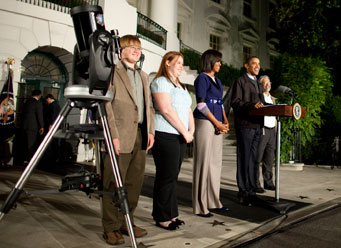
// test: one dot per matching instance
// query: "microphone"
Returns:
(286, 90)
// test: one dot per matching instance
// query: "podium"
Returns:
(280, 110)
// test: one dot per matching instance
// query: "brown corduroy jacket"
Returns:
(122, 111)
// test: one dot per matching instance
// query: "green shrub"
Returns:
(191, 59)
(334, 109)
(226, 74)
(150, 34)
(322, 148)
(311, 80)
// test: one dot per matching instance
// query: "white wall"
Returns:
(194, 16)
(25, 27)
(120, 15)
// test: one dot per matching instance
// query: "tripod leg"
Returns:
(119, 186)
(16, 191)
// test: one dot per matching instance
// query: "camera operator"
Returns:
(131, 121)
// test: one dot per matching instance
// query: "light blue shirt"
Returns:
(181, 102)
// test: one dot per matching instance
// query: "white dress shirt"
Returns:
(269, 121)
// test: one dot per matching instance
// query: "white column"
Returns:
(165, 13)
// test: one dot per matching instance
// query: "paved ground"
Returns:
(73, 220)
(323, 230)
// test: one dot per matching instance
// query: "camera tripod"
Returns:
(78, 97)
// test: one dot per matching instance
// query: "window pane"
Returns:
(272, 18)
(247, 8)
(179, 30)
(246, 53)
(214, 42)
(272, 61)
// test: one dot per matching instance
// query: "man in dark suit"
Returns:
(131, 121)
(53, 110)
(247, 95)
(51, 113)
(33, 122)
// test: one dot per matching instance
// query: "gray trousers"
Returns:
(266, 153)
(208, 155)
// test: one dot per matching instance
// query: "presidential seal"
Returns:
(297, 111)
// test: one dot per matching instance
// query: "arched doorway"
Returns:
(44, 71)
(47, 69)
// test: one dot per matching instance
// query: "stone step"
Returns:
(229, 142)
(188, 76)
(230, 158)
(189, 71)
(229, 150)
(231, 137)
(292, 166)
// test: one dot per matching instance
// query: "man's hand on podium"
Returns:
(259, 105)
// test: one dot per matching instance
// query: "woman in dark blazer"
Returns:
(210, 123)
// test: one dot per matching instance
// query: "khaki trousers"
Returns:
(131, 166)
(208, 152)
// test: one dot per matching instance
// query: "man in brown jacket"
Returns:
(131, 120)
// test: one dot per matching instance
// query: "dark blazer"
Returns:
(33, 115)
(53, 110)
(122, 111)
(207, 89)
(244, 97)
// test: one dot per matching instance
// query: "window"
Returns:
(247, 8)
(272, 18)
(178, 30)
(216, 1)
(246, 53)
(37, 65)
(272, 61)
(214, 42)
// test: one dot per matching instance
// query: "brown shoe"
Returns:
(138, 231)
(113, 238)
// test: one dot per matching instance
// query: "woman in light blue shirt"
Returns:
(174, 128)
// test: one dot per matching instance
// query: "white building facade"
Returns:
(40, 36)
(237, 28)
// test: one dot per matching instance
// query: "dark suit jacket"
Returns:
(122, 111)
(53, 110)
(33, 115)
(244, 97)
